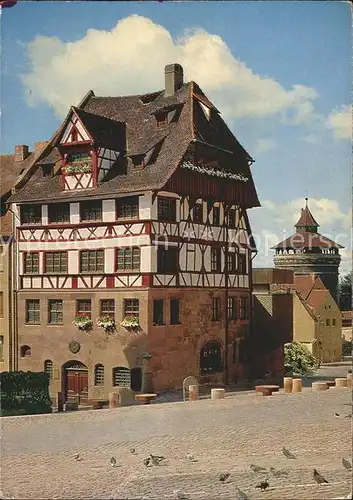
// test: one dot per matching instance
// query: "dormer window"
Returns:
(162, 119)
(47, 170)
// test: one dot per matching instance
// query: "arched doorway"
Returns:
(136, 379)
(75, 381)
(211, 357)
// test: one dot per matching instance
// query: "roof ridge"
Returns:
(193, 135)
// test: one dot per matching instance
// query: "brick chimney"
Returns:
(39, 146)
(21, 152)
(174, 78)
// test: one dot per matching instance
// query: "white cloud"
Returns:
(272, 223)
(340, 122)
(264, 145)
(130, 59)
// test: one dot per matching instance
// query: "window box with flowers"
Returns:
(130, 323)
(83, 323)
(107, 323)
(80, 168)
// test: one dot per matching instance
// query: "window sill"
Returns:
(32, 324)
(175, 324)
(55, 324)
(158, 324)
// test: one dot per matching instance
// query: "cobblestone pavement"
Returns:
(224, 436)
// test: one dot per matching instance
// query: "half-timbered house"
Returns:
(134, 247)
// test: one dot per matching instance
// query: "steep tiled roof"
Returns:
(174, 140)
(305, 283)
(9, 172)
(306, 219)
(316, 298)
(303, 239)
(106, 133)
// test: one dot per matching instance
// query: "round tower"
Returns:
(308, 251)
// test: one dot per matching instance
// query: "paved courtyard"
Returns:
(224, 436)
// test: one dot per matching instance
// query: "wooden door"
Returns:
(77, 384)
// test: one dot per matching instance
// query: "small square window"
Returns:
(108, 308)
(55, 312)
(216, 260)
(158, 313)
(216, 309)
(216, 216)
(33, 312)
(175, 312)
(197, 211)
(83, 307)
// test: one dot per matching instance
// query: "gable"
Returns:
(74, 131)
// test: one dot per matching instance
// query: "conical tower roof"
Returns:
(306, 221)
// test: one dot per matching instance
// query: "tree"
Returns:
(298, 359)
(345, 292)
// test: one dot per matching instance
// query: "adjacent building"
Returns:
(272, 324)
(308, 251)
(134, 251)
(11, 168)
(317, 319)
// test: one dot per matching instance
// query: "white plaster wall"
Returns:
(45, 215)
(86, 244)
(109, 261)
(82, 130)
(73, 262)
(108, 207)
(74, 213)
(146, 259)
(145, 207)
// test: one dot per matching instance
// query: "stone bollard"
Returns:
(341, 382)
(319, 386)
(217, 393)
(349, 380)
(114, 399)
(193, 392)
(297, 385)
(288, 384)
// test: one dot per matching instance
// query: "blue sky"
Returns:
(278, 71)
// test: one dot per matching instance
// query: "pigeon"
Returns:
(240, 494)
(191, 457)
(319, 478)
(346, 464)
(278, 473)
(287, 453)
(224, 477)
(77, 456)
(147, 462)
(256, 468)
(113, 462)
(155, 459)
(133, 451)
(263, 485)
(180, 495)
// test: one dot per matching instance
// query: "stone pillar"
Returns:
(60, 401)
(341, 382)
(193, 392)
(217, 393)
(319, 386)
(349, 380)
(113, 400)
(297, 385)
(288, 384)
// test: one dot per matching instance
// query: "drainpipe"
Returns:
(226, 302)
